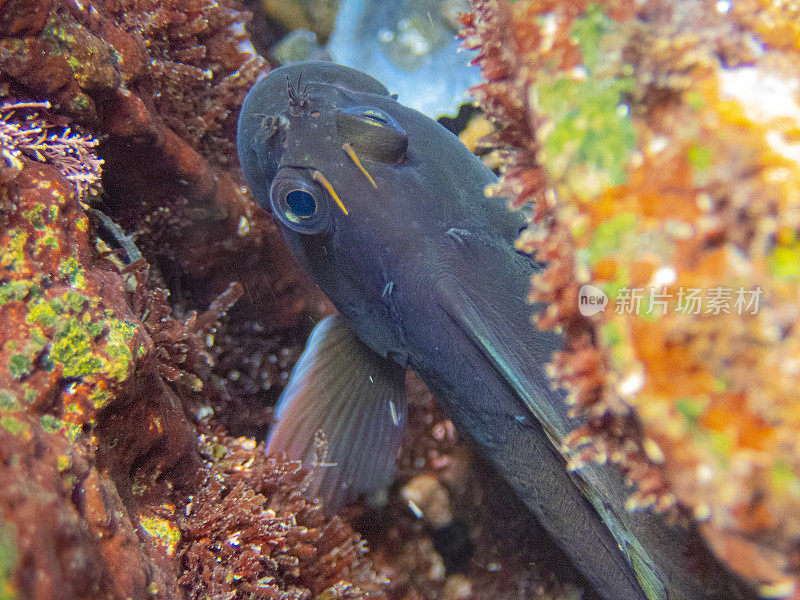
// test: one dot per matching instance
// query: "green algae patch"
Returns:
(42, 313)
(99, 398)
(23, 354)
(13, 256)
(35, 215)
(47, 241)
(71, 269)
(63, 462)
(590, 136)
(165, 531)
(784, 262)
(29, 393)
(13, 425)
(610, 236)
(118, 349)
(19, 366)
(8, 400)
(700, 157)
(75, 301)
(691, 409)
(74, 417)
(52, 424)
(9, 557)
(84, 342)
(15, 291)
(785, 478)
(72, 349)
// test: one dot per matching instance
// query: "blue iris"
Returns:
(301, 203)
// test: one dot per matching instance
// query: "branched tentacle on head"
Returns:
(298, 99)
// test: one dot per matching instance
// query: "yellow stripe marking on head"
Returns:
(327, 185)
(352, 154)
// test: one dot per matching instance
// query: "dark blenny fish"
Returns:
(386, 208)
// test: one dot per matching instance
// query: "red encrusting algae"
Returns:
(661, 178)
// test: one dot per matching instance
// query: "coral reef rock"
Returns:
(656, 141)
(124, 231)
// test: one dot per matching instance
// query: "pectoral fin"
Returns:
(342, 414)
(497, 319)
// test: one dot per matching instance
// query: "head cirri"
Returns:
(304, 128)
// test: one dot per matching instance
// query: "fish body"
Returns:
(387, 210)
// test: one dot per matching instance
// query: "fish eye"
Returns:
(301, 205)
(372, 133)
(376, 116)
(299, 202)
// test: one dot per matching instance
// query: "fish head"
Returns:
(360, 183)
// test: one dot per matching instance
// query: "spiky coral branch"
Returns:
(33, 136)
